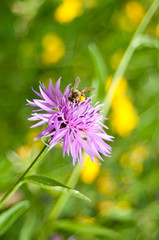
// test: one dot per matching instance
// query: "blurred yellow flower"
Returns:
(68, 10)
(134, 11)
(130, 18)
(124, 23)
(105, 207)
(123, 204)
(120, 19)
(138, 168)
(121, 87)
(135, 158)
(23, 151)
(54, 49)
(123, 118)
(90, 171)
(124, 159)
(107, 185)
(115, 59)
(139, 154)
(121, 208)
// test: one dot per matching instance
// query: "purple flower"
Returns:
(78, 125)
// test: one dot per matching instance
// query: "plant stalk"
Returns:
(59, 206)
(25, 174)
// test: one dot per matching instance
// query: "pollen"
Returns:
(82, 98)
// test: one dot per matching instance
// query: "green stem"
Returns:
(59, 206)
(127, 56)
(61, 202)
(25, 174)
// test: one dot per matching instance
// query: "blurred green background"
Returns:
(48, 39)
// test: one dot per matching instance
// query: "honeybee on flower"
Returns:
(79, 126)
(77, 96)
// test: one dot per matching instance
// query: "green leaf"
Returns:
(28, 227)
(45, 140)
(98, 63)
(85, 228)
(101, 72)
(146, 41)
(51, 184)
(9, 216)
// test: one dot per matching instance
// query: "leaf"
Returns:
(45, 140)
(28, 227)
(9, 216)
(98, 62)
(51, 184)
(146, 41)
(101, 72)
(85, 228)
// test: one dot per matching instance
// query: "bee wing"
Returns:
(89, 89)
(76, 83)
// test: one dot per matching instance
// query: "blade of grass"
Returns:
(51, 184)
(8, 217)
(86, 228)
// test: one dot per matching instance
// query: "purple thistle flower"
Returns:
(78, 125)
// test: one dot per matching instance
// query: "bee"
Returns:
(78, 96)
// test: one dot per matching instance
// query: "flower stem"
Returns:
(61, 202)
(56, 211)
(127, 56)
(25, 174)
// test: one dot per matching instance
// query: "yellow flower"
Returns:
(68, 10)
(139, 154)
(124, 159)
(124, 23)
(23, 152)
(123, 204)
(106, 185)
(108, 208)
(134, 11)
(121, 87)
(131, 16)
(90, 171)
(123, 119)
(54, 49)
(105, 207)
(135, 159)
(115, 59)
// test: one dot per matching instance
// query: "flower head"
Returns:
(78, 125)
